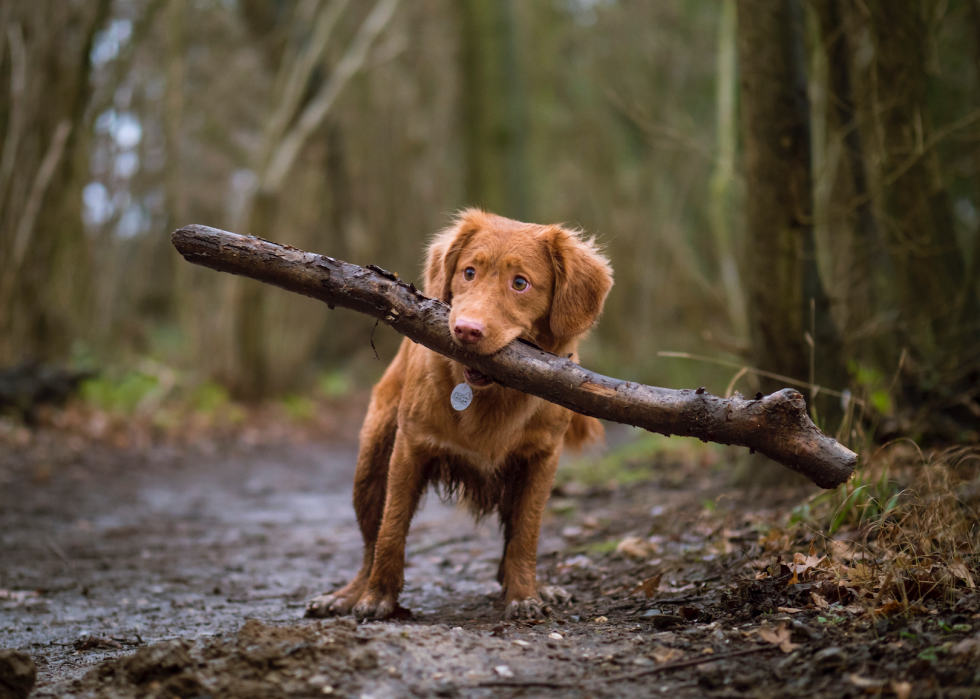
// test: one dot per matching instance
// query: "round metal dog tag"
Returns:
(462, 396)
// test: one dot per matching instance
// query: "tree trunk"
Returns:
(785, 297)
(724, 175)
(494, 109)
(913, 206)
(289, 129)
(42, 160)
(775, 425)
(862, 271)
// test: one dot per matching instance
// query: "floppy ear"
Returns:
(443, 253)
(583, 278)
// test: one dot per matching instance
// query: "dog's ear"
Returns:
(443, 253)
(583, 278)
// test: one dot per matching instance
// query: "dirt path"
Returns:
(103, 553)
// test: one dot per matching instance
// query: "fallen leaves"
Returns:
(779, 636)
(867, 683)
(902, 690)
(890, 608)
(802, 564)
(636, 547)
(648, 587)
(969, 647)
(958, 568)
(663, 654)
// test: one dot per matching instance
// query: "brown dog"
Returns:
(504, 280)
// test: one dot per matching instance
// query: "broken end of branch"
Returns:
(794, 441)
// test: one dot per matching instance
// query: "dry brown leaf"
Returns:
(866, 683)
(847, 550)
(801, 564)
(819, 601)
(861, 575)
(663, 654)
(890, 608)
(649, 586)
(788, 610)
(775, 541)
(635, 547)
(779, 637)
(968, 646)
(902, 690)
(958, 568)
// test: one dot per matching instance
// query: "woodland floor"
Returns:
(162, 571)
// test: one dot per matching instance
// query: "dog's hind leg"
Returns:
(370, 487)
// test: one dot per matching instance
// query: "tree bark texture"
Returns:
(910, 196)
(862, 272)
(776, 425)
(783, 281)
(45, 60)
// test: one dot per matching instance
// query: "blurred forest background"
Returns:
(786, 185)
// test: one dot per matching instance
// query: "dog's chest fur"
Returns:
(498, 425)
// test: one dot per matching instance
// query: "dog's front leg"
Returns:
(405, 485)
(522, 597)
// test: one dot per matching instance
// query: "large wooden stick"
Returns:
(776, 425)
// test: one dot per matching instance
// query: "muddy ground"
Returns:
(168, 572)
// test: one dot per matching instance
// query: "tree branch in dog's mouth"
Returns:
(776, 425)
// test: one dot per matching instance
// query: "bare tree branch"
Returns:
(315, 112)
(25, 228)
(298, 74)
(776, 425)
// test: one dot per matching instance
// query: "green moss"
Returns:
(299, 407)
(119, 394)
(636, 461)
(209, 398)
(334, 384)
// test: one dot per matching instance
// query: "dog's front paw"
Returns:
(537, 607)
(377, 605)
(527, 608)
(329, 605)
(552, 594)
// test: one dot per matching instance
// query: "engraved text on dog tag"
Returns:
(462, 396)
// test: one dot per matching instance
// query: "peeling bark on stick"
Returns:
(776, 425)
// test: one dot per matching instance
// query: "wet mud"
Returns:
(184, 573)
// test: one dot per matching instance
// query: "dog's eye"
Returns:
(520, 284)
(469, 273)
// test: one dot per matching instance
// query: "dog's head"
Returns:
(505, 279)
